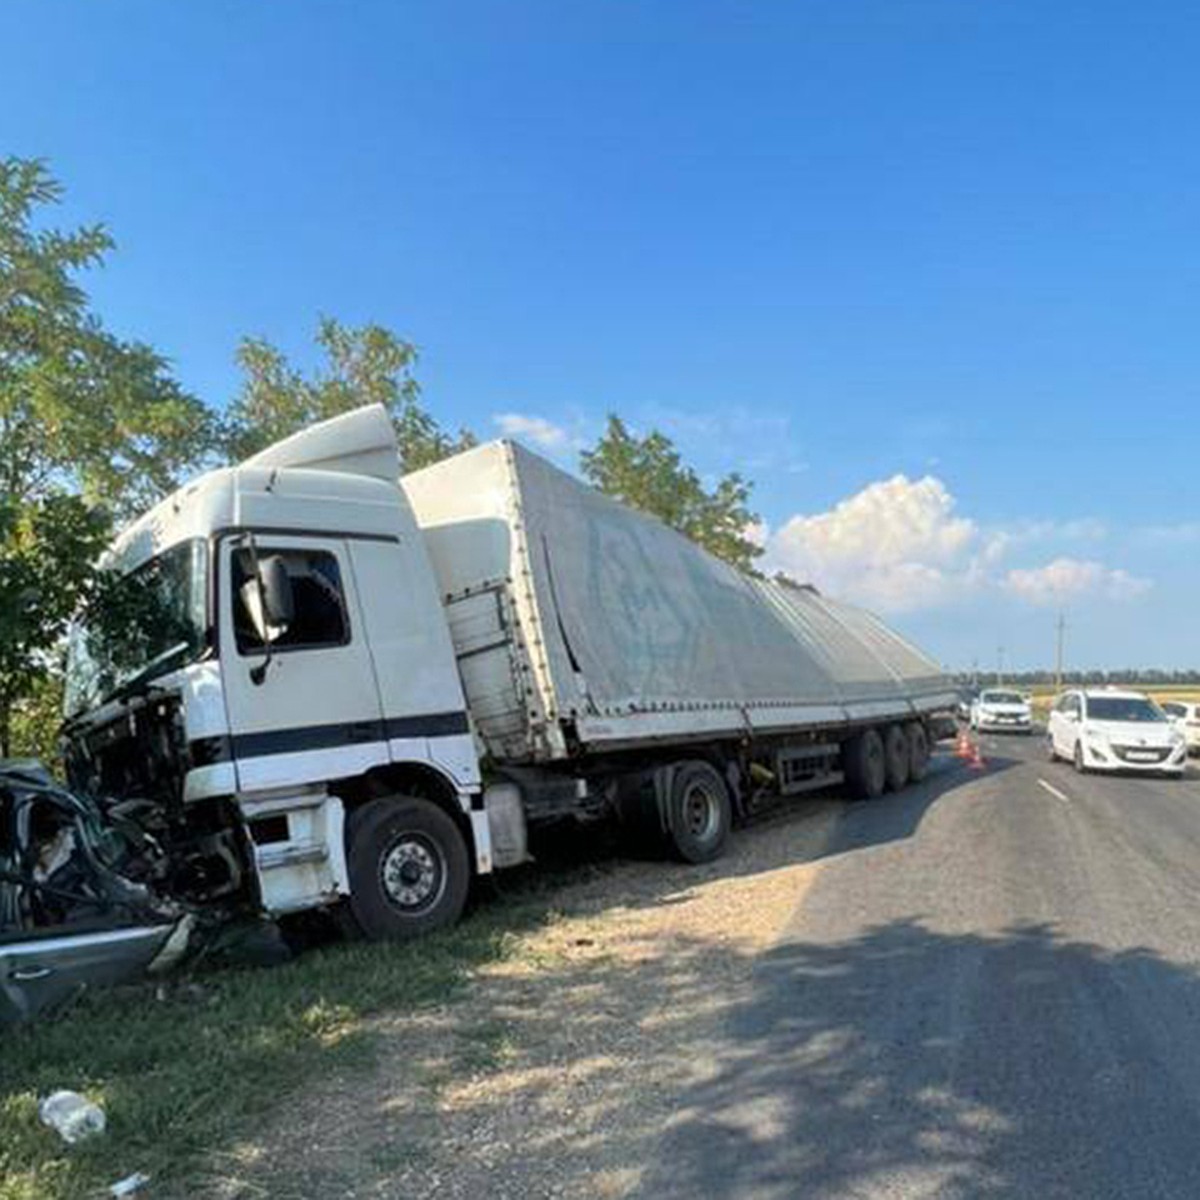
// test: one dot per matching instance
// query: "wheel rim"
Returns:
(412, 873)
(701, 813)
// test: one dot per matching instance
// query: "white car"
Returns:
(1110, 730)
(999, 711)
(1186, 716)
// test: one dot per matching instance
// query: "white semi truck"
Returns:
(362, 690)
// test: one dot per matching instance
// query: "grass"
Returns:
(190, 1068)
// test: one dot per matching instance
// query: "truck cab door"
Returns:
(302, 698)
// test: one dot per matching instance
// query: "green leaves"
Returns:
(364, 365)
(92, 428)
(47, 546)
(649, 474)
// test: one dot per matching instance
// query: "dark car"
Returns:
(73, 912)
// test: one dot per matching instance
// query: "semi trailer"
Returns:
(352, 689)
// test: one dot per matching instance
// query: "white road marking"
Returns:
(1055, 792)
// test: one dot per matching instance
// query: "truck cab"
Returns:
(276, 693)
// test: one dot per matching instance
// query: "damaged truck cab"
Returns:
(286, 667)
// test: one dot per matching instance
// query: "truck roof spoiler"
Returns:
(359, 442)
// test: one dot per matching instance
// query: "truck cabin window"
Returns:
(319, 618)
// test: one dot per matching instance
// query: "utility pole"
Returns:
(1000, 666)
(1060, 629)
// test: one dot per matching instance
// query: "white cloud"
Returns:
(534, 429)
(1067, 578)
(899, 544)
(895, 545)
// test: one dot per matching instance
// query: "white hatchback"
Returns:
(1109, 730)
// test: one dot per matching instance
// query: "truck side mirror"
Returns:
(278, 600)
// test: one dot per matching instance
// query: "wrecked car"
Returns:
(79, 902)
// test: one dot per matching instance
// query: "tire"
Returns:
(1051, 753)
(408, 867)
(700, 814)
(918, 757)
(863, 765)
(1080, 765)
(897, 757)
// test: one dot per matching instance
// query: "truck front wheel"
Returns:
(863, 764)
(700, 815)
(408, 867)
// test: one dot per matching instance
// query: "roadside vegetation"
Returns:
(183, 1068)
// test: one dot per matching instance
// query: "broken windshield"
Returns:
(139, 625)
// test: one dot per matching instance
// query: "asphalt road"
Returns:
(992, 989)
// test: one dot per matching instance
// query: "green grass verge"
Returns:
(193, 1071)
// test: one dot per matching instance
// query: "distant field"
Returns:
(1044, 693)
(1166, 691)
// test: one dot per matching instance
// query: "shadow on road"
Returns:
(904, 1062)
(914, 1062)
(658, 1059)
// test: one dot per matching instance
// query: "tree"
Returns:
(47, 547)
(364, 365)
(649, 474)
(91, 427)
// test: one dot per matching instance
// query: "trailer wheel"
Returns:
(897, 755)
(408, 867)
(700, 813)
(863, 764)
(918, 758)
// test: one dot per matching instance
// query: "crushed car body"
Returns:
(80, 902)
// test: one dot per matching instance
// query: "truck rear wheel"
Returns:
(918, 757)
(700, 813)
(408, 867)
(897, 755)
(863, 765)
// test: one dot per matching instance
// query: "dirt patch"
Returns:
(559, 1069)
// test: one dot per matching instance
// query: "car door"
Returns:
(41, 971)
(1053, 721)
(1062, 727)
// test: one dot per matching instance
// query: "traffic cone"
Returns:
(963, 748)
(976, 762)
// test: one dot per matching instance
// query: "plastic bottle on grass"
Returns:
(72, 1116)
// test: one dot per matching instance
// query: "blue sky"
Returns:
(828, 244)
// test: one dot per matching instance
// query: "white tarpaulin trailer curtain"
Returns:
(621, 615)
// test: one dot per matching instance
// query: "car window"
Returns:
(1175, 710)
(320, 616)
(1123, 708)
